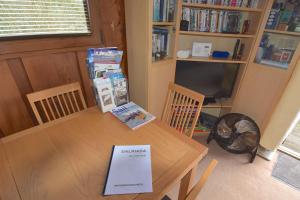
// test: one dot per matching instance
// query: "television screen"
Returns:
(214, 80)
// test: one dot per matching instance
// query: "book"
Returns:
(160, 43)
(273, 19)
(220, 21)
(244, 3)
(104, 94)
(156, 6)
(213, 21)
(132, 115)
(129, 170)
(232, 21)
(119, 85)
(101, 60)
(109, 83)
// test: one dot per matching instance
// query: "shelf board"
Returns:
(163, 60)
(163, 23)
(210, 59)
(283, 32)
(219, 7)
(225, 104)
(216, 34)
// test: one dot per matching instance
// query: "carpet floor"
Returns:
(235, 179)
(287, 169)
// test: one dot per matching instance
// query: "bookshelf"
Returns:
(149, 78)
(280, 36)
(263, 84)
(222, 41)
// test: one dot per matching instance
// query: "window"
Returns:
(43, 17)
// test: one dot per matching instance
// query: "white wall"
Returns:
(284, 113)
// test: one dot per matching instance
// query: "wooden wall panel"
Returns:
(112, 25)
(51, 70)
(13, 112)
(87, 84)
(34, 64)
(18, 72)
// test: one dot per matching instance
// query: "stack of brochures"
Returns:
(129, 170)
(110, 84)
(132, 115)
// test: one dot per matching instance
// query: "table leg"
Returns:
(186, 183)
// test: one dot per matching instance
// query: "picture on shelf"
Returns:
(276, 50)
(201, 49)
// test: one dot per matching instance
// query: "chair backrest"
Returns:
(57, 102)
(197, 188)
(182, 109)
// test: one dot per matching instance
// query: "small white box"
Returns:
(201, 49)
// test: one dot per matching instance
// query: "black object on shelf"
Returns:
(207, 120)
(241, 51)
(184, 25)
(236, 48)
(236, 133)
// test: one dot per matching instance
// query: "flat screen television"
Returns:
(214, 80)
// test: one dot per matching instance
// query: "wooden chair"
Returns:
(182, 109)
(57, 102)
(199, 185)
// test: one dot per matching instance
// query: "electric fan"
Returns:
(236, 133)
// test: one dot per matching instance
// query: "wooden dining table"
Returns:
(68, 158)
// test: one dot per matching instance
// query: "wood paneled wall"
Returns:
(31, 65)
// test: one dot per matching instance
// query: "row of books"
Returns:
(204, 20)
(284, 16)
(232, 3)
(109, 83)
(160, 43)
(164, 10)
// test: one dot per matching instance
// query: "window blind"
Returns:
(43, 17)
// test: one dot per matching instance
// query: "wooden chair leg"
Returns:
(186, 184)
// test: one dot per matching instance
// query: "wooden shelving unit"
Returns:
(213, 60)
(282, 32)
(223, 41)
(149, 79)
(218, 7)
(264, 86)
(210, 34)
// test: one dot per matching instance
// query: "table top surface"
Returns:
(68, 158)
